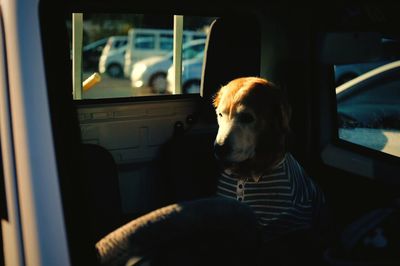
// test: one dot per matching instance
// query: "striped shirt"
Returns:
(284, 200)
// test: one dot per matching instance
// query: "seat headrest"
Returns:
(233, 50)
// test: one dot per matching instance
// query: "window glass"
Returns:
(128, 55)
(191, 51)
(166, 42)
(368, 101)
(119, 43)
(145, 41)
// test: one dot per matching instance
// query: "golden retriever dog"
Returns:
(253, 118)
(256, 169)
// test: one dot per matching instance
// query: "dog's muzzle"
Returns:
(221, 152)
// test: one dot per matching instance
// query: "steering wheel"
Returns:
(207, 231)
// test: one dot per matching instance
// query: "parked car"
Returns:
(369, 109)
(344, 73)
(191, 75)
(91, 54)
(112, 58)
(144, 43)
(152, 72)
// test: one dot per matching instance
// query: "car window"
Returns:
(145, 41)
(197, 37)
(166, 42)
(368, 105)
(115, 44)
(119, 43)
(192, 51)
(136, 66)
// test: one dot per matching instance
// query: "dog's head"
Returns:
(253, 118)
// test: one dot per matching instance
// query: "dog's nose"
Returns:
(221, 151)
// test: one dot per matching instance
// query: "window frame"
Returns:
(178, 38)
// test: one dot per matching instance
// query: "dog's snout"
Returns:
(222, 150)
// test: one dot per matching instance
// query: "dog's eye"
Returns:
(245, 118)
(220, 114)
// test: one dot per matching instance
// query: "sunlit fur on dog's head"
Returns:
(253, 117)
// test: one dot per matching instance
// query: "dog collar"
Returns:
(255, 177)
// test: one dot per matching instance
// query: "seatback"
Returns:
(233, 50)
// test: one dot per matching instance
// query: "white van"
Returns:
(143, 43)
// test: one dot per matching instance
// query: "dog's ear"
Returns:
(275, 106)
(276, 109)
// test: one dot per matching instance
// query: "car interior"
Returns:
(123, 161)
